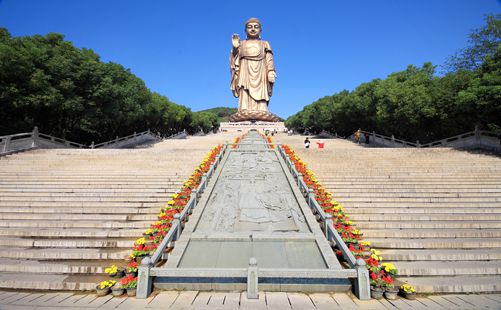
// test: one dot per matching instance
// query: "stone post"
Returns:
(478, 141)
(92, 145)
(418, 144)
(362, 283)
(6, 146)
(252, 279)
(204, 180)
(35, 137)
(311, 196)
(144, 281)
(299, 177)
(194, 194)
(327, 223)
(177, 219)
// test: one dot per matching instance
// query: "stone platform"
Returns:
(245, 126)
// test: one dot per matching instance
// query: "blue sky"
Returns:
(180, 48)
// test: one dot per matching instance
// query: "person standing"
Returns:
(307, 143)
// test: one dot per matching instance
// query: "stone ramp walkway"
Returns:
(235, 300)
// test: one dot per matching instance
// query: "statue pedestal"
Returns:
(245, 126)
(254, 116)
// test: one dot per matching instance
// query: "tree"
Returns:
(482, 43)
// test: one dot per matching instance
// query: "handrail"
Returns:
(126, 138)
(34, 138)
(442, 142)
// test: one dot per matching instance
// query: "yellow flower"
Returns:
(365, 243)
(407, 288)
(106, 284)
(174, 196)
(111, 270)
(171, 202)
(376, 252)
(140, 241)
(388, 267)
(132, 256)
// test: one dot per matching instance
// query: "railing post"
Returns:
(362, 283)
(327, 224)
(92, 145)
(34, 135)
(6, 146)
(204, 180)
(311, 197)
(252, 279)
(299, 178)
(193, 195)
(144, 283)
(478, 141)
(418, 144)
(177, 220)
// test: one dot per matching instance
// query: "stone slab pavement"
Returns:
(235, 300)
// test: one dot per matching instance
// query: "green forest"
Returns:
(416, 104)
(69, 93)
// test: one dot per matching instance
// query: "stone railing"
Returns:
(470, 140)
(360, 271)
(127, 141)
(31, 140)
(147, 268)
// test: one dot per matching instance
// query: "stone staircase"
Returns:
(435, 213)
(66, 214)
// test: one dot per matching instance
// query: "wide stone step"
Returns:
(424, 217)
(430, 210)
(355, 186)
(438, 243)
(407, 200)
(446, 268)
(66, 243)
(434, 233)
(403, 204)
(427, 224)
(89, 196)
(124, 209)
(40, 281)
(164, 190)
(57, 267)
(67, 216)
(48, 200)
(456, 284)
(78, 223)
(72, 232)
(403, 195)
(65, 253)
(442, 254)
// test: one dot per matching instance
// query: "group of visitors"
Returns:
(307, 143)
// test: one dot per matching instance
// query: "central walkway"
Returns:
(253, 209)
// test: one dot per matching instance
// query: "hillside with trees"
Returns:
(223, 113)
(70, 93)
(416, 104)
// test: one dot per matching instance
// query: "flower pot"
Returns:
(131, 292)
(102, 291)
(117, 291)
(120, 273)
(410, 296)
(376, 292)
(391, 293)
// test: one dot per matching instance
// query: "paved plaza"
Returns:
(234, 300)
